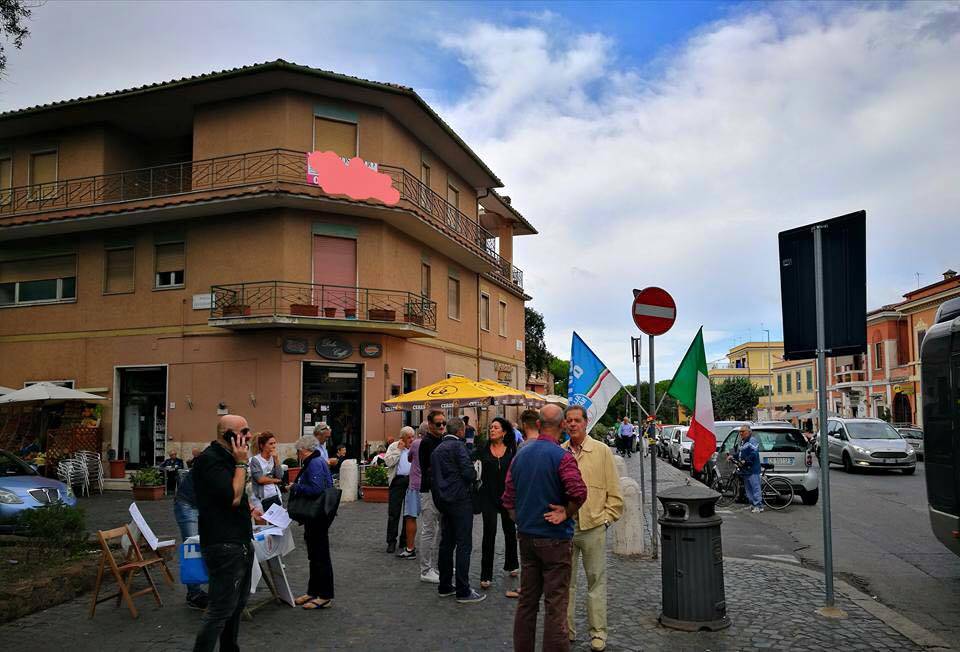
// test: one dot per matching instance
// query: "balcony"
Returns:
(286, 304)
(249, 181)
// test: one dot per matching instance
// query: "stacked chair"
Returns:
(94, 467)
(73, 472)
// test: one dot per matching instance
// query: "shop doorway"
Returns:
(334, 393)
(415, 417)
(902, 412)
(142, 416)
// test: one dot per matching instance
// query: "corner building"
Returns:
(164, 246)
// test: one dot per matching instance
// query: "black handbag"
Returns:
(303, 508)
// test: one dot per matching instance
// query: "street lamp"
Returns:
(769, 375)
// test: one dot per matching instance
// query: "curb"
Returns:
(911, 630)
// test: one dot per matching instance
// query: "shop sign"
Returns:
(370, 350)
(296, 345)
(903, 389)
(333, 347)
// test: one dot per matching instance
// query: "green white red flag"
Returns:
(691, 387)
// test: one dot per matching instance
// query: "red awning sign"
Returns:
(654, 310)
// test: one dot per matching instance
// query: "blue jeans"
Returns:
(456, 532)
(186, 517)
(229, 566)
(751, 486)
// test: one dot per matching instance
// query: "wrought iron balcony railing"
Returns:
(292, 299)
(238, 170)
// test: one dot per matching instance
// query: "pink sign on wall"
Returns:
(353, 177)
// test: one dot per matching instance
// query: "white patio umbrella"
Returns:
(44, 392)
(5, 390)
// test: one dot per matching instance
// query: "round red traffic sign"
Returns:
(654, 310)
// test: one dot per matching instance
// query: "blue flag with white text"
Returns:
(591, 384)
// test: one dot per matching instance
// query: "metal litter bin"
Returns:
(691, 560)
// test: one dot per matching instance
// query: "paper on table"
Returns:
(278, 516)
(268, 532)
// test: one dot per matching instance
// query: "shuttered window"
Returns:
(6, 179)
(169, 265)
(333, 135)
(503, 318)
(118, 270)
(335, 272)
(38, 280)
(453, 298)
(425, 285)
(485, 312)
(43, 174)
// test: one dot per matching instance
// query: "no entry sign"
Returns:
(653, 310)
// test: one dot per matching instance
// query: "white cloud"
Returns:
(682, 178)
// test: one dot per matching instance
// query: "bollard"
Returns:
(621, 466)
(628, 535)
(349, 481)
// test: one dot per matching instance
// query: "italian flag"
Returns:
(691, 387)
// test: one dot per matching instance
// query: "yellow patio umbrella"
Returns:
(511, 395)
(455, 392)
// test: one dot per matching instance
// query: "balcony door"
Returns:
(335, 269)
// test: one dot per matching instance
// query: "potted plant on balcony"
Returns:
(374, 487)
(147, 484)
(413, 314)
(305, 310)
(236, 310)
(329, 312)
(382, 314)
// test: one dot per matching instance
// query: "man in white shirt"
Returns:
(398, 473)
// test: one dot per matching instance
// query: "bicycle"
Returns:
(775, 492)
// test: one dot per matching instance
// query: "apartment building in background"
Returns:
(753, 361)
(167, 247)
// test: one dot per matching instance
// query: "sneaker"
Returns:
(199, 601)
(447, 593)
(431, 577)
(391, 548)
(472, 598)
(597, 644)
(755, 510)
(406, 553)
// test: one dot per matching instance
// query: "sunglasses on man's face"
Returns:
(439, 424)
(233, 434)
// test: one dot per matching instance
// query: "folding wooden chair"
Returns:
(124, 571)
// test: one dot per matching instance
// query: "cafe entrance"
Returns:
(333, 392)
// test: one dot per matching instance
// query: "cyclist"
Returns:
(747, 458)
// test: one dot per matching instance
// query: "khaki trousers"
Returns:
(592, 546)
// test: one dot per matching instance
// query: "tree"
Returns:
(537, 356)
(13, 13)
(734, 399)
(561, 374)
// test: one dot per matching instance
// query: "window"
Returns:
(453, 298)
(878, 355)
(38, 280)
(809, 380)
(425, 280)
(789, 383)
(779, 383)
(503, 319)
(425, 188)
(43, 175)
(453, 213)
(798, 382)
(6, 179)
(484, 311)
(118, 271)
(335, 136)
(169, 265)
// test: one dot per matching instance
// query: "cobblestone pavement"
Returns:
(380, 604)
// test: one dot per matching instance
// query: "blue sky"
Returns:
(651, 143)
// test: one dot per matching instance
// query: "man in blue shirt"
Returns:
(748, 459)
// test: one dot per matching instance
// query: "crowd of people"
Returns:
(548, 488)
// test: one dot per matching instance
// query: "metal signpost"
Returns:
(636, 343)
(654, 312)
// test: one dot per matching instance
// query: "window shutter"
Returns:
(38, 269)
(484, 312)
(335, 136)
(453, 298)
(119, 272)
(6, 178)
(170, 257)
(43, 167)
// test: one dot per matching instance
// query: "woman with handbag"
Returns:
(495, 458)
(313, 483)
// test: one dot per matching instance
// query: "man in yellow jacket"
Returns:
(603, 507)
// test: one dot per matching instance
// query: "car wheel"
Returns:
(909, 471)
(847, 463)
(810, 497)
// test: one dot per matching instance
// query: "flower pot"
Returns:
(350, 313)
(292, 474)
(305, 310)
(375, 494)
(413, 318)
(118, 468)
(236, 310)
(148, 493)
(378, 314)
(330, 312)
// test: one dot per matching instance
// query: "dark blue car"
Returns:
(22, 489)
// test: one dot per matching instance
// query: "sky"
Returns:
(655, 143)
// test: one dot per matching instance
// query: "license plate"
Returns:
(779, 460)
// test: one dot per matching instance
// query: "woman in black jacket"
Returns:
(495, 458)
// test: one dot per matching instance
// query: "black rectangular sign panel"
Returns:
(844, 288)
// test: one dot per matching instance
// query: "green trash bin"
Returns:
(691, 560)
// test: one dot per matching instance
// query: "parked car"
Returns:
(23, 489)
(914, 437)
(663, 440)
(868, 443)
(680, 445)
(785, 447)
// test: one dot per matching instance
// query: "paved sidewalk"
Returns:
(380, 604)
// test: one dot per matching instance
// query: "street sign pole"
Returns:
(653, 458)
(636, 344)
(829, 608)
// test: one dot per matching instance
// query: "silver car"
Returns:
(868, 443)
(787, 450)
(914, 437)
(678, 451)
